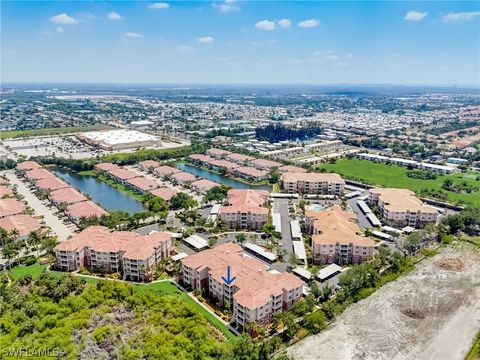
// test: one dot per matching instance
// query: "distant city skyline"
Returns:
(241, 42)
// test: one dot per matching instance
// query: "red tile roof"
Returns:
(9, 207)
(143, 183)
(165, 193)
(256, 284)
(52, 183)
(68, 195)
(246, 201)
(106, 166)
(122, 174)
(25, 224)
(166, 170)
(184, 177)
(204, 185)
(5, 191)
(148, 164)
(38, 174)
(85, 209)
(28, 165)
(101, 239)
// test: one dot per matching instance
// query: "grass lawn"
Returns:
(474, 353)
(396, 176)
(51, 131)
(475, 240)
(35, 270)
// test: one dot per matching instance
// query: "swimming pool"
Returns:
(316, 207)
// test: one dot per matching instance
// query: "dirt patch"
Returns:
(413, 313)
(431, 313)
(452, 264)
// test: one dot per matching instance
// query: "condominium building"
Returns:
(126, 252)
(121, 175)
(217, 153)
(313, 183)
(402, 208)
(335, 237)
(250, 173)
(257, 293)
(245, 209)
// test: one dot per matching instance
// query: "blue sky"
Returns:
(235, 42)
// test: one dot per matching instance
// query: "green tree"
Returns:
(182, 201)
(315, 322)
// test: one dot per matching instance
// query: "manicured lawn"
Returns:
(35, 270)
(396, 176)
(51, 131)
(474, 353)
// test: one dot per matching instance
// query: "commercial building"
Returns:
(245, 209)
(118, 139)
(257, 294)
(402, 208)
(335, 237)
(126, 252)
(313, 183)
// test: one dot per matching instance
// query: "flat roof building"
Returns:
(313, 183)
(118, 139)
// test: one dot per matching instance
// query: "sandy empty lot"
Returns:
(431, 313)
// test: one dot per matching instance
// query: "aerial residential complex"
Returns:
(245, 209)
(313, 183)
(335, 237)
(257, 293)
(402, 208)
(100, 249)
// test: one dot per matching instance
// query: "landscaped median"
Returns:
(164, 287)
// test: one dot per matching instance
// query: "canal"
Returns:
(107, 196)
(219, 178)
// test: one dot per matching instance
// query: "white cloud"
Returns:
(59, 29)
(326, 52)
(63, 19)
(114, 16)
(293, 61)
(414, 15)
(284, 23)
(159, 6)
(460, 16)
(309, 23)
(265, 25)
(330, 57)
(205, 40)
(226, 6)
(133, 35)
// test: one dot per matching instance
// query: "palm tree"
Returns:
(10, 251)
(14, 234)
(35, 238)
(4, 237)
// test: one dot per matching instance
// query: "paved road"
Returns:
(59, 228)
(281, 206)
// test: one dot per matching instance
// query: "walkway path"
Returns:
(59, 228)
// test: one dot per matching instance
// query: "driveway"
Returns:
(280, 206)
(59, 228)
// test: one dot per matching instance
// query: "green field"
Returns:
(396, 176)
(35, 270)
(51, 131)
(164, 287)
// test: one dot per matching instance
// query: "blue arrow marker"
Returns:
(229, 279)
